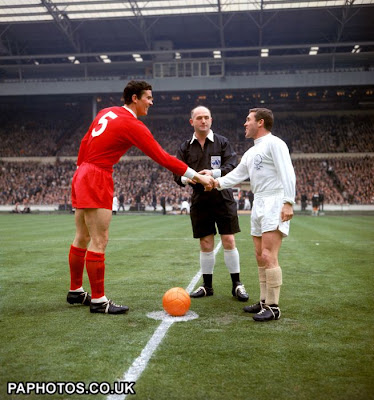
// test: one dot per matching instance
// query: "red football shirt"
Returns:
(113, 132)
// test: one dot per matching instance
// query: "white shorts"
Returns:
(266, 214)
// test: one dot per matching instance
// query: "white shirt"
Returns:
(269, 167)
(210, 136)
(130, 111)
(185, 205)
(115, 204)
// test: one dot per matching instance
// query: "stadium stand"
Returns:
(344, 133)
(342, 180)
(323, 105)
(311, 136)
(41, 183)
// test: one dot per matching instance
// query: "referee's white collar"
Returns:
(129, 110)
(210, 136)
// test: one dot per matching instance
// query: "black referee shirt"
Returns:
(215, 155)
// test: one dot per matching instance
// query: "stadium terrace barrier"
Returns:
(36, 208)
(294, 156)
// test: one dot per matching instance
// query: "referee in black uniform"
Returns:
(212, 154)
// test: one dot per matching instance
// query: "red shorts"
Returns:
(92, 187)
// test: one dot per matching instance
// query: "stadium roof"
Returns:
(42, 10)
(40, 38)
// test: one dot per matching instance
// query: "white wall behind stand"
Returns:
(340, 207)
(33, 208)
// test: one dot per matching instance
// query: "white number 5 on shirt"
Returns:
(103, 121)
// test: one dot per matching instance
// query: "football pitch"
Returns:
(321, 348)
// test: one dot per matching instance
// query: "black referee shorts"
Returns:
(211, 209)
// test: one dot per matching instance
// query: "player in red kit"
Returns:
(112, 133)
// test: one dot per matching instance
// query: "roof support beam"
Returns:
(342, 23)
(221, 27)
(3, 48)
(141, 24)
(261, 25)
(63, 23)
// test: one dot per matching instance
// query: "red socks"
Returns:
(95, 265)
(76, 264)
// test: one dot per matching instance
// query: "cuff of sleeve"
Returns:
(288, 200)
(190, 173)
(219, 188)
(216, 173)
(184, 180)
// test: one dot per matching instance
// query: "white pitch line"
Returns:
(140, 363)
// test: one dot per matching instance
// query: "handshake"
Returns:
(205, 177)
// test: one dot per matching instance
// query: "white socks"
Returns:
(232, 260)
(99, 300)
(79, 290)
(207, 262)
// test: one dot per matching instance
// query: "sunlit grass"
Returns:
(321, 348)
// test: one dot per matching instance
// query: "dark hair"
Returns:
(135, 87)
(266, 115)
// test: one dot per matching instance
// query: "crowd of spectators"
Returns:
(354, 177)
(317, 134)
(142, 182)
(345, 180)
(30, 139)
(145, 182)
(35, 182)
(327, 134)
(170, 133)
(312, 134)
(21, 135)
(341, 180)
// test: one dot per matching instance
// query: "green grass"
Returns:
(321, 348)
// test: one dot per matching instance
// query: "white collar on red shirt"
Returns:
(210, 136)
(129, 110)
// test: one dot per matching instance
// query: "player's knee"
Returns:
(228, 242)
(82, 240)
(268, 258)
(207, 244)
(100, 243)
(259, 259)
(86, 238)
